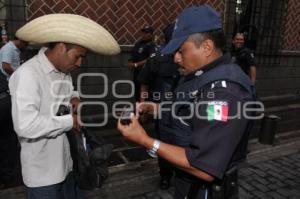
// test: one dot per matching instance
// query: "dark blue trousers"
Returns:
(182, 187)
(64, 190)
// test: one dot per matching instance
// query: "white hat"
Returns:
(69, 28)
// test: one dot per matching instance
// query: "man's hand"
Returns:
(134, 131)
(75, 103)
(7, 68)
(75, 122)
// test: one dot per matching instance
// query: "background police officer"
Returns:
(139, 55)
(206, 139)
(158, 79)
(243, 56)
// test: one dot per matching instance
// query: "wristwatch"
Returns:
(153, 151)
(135, 65)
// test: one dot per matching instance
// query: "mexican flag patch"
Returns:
(217, 110)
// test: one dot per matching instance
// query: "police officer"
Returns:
(158, 79)
(243, 56)
(208, 134)
(139, 55)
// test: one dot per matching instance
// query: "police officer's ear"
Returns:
(208, 47)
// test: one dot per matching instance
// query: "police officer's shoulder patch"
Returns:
(217, 110)
(219, 84)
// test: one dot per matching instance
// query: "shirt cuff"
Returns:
(66, 122)
(198, 163)
(75, 94)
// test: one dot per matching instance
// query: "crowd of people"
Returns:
(197, 140)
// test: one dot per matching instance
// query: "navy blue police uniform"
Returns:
(201, 122)
(141, 51)
(243, 57)
(161, 75)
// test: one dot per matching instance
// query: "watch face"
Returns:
(152, 153)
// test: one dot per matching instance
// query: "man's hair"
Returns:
(15, 38)
(68, 46)
(238, 33)
(217, 36)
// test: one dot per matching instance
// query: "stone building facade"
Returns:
(278, 74)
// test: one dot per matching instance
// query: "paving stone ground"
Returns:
(277, 178)
(271, 172)
(273, 179)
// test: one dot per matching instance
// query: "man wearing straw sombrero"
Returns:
(39, 86)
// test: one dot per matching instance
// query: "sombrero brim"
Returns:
(69, 28)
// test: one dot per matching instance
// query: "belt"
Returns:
(4, 94)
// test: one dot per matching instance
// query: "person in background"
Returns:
(243, 56)
(158, 79)
(10, 56)
(4, 38)
(205, 141)
(139, 55)
(9, 149)
(39, 87)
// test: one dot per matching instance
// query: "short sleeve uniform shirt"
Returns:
(208, 124)
(244, 58)
(142, 50)
(10, 54)
(160, 73)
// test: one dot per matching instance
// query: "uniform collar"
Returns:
(224, 59)
(237, 50)
(47, 67)
(146, 41)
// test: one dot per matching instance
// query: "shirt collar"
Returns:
(224, 59)
(14, 46)
(48, 67)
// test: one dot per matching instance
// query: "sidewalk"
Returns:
(270, 172)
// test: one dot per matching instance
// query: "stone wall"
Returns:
(123, 18)
(291, 34)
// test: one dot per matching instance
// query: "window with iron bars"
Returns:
(262, 22)
(12, 16)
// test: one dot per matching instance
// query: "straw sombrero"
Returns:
(69, 28)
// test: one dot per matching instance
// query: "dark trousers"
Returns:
(166, 169)
(190, 187)
(64, 190)
(137, 90)
(137, 85)
(182, 188)
(10, 171)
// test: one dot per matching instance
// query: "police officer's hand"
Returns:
(131, 65)
(148, 108)
(75, 122)
(133, 131)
